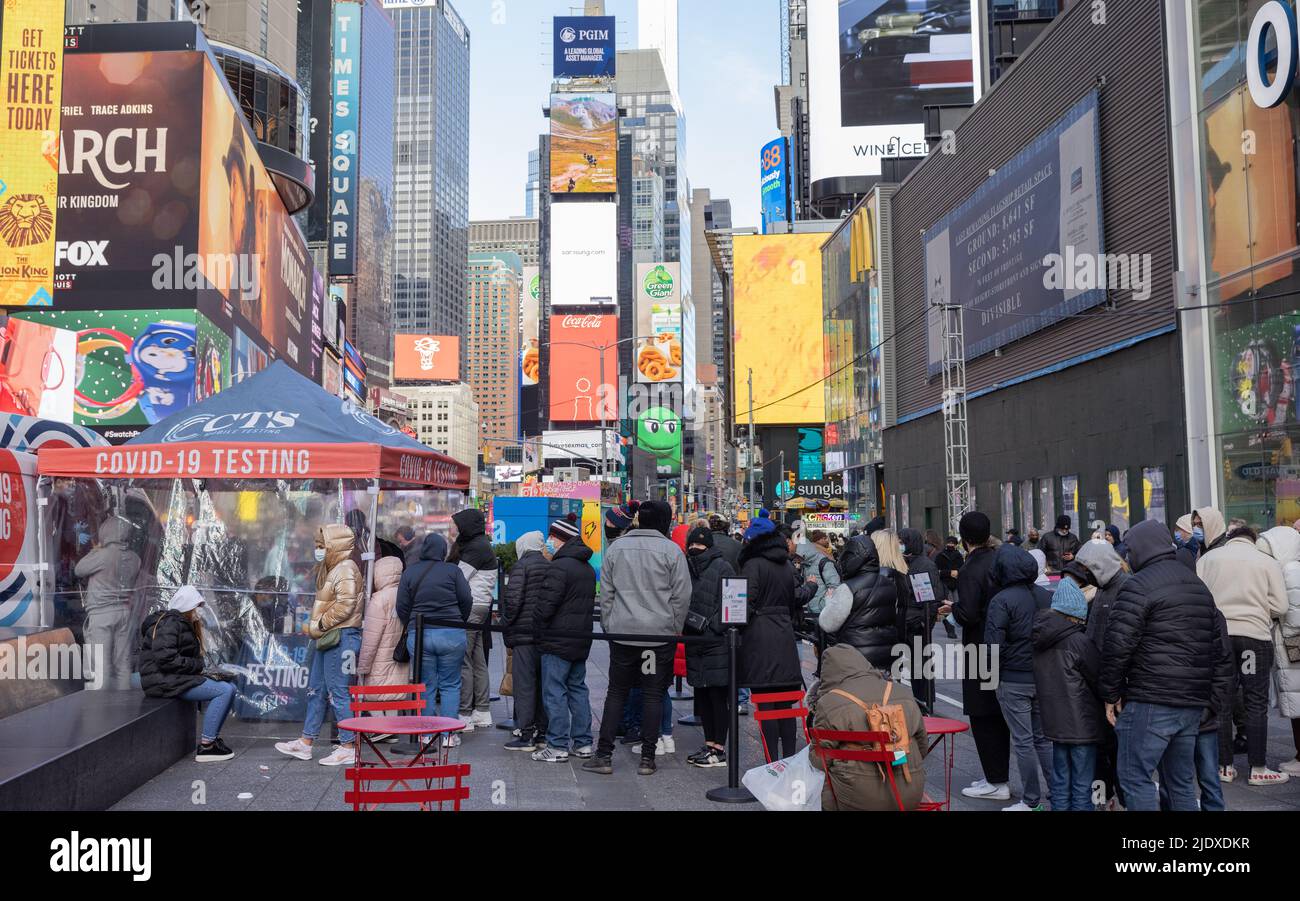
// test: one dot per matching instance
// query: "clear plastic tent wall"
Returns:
(119, 548)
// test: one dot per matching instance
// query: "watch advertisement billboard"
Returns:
(774, 183)
(584, 254)
(991, 254)
(584, 143)
(530, 360)
(31, 68)
(430, 358)
(658, 347)
(344, 81)
(777, 329)
(584, 47)
(872, 66)
(577, 393)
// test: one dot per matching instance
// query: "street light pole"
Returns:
(604, 443)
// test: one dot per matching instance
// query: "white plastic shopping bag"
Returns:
(789, 784)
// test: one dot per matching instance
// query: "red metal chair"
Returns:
(883, 759)
(361, 707)
(425, 797)
(797, 710)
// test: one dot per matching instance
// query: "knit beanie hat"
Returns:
(700, 535)
(620, 518)
(1070, 600)
(566, 528)
(759, 526)
(657, 516)
(974, 528)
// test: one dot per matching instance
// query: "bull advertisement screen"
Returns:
(584, 254)
(1025, 250)
(777, 329)
(658, 347)
(872, 66)
(31, 32)
(577, 393)
(430, 358)
(129, 172)
(584, 143)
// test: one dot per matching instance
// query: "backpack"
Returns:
(888, 718)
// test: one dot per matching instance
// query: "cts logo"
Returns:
(207, 424)
(1280, 17)
(80, 253)
(568, 35)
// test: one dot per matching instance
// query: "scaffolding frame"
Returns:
(955, 432)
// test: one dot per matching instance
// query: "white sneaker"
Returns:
(1291, 767)
(295, 748)
(482, 719)
(1021, 805)
(666, 745)
(340, 756)
(550, 755)
(452, 741)
(988, 792)
(1262, 775)
(469, 723)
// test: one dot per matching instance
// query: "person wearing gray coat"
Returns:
(110, 571)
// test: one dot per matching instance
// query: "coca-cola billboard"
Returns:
(577, 391)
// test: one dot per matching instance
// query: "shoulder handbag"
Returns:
(329, 640)
(400, 653)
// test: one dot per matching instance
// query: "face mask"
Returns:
(320, 555)
(902, 549)
(550, 547)
(1198, 534)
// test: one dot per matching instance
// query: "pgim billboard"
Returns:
(872, 66)
(584, 144)
(584, 254)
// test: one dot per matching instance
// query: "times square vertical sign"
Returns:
(31, 76)
(345, 79)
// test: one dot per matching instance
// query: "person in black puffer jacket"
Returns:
(921, 616)
(472, 552)
(707, 666)
(1157, 669)
(1067, 670)
(566, 604)
(519, 604)
(1009, 634)
(438, 590)
(171, 666)
(769, 655)
(876, 621)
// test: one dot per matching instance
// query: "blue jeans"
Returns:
(1207, 774)
(444, 652)
(1154, 736)
(568, 707)
(332, 672)
(632, 713)
(1073, 768)
(742, 696)
(221, 695)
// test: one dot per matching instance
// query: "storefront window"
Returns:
(1153, 494)
(893, 513)
(1026, 506)
(1117, 487)
(907, 511)
(1046, 504)
(1070, 501)
(1008, 507)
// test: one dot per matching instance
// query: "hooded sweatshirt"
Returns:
(382, 631)
(1283, 545)
(1108, 569)
(111, 568)
(338, 584)
(1247, 585)
(434, 587)
(1213, 524)
(472, 552)
(1010, 623)
(852, 785)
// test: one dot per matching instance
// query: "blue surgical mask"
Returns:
(550, 547)
(1198, 534)
(320, 555)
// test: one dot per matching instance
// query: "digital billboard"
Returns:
(530, 362)
(584, 47)
(659, 434)
(129, 173)
(344, 80)
(872, 66)
(252, 265)
(584, 143)
(990, 254)
(777, 329)
(658, 346)
(426, 357)
(31, 67)
(584, 254)
(774, 183)
(577, 393)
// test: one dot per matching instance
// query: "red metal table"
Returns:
(434, 727)
(945, 730)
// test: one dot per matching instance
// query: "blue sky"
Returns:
(730, 58)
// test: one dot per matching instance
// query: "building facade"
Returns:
(430, 167)
(517, 236)
(492, 348)
(445, 418)
(533, 187)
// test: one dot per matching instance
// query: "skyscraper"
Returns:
(534, 184)
(492, 352)
(656, 22)
(430, 167)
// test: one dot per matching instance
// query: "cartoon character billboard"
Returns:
(659, 432)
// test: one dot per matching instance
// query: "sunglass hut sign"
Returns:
(1278, 18)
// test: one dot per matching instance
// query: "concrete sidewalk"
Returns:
(510, 780)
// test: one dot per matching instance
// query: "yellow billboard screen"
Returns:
(31, 71)
(777, 329)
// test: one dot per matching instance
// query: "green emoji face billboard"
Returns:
(659, 432)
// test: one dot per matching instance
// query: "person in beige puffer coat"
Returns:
(1283, 545)
(382, 630)
(338, 606)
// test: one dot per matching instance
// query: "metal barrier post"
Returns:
(733, 792)
(410, 745)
